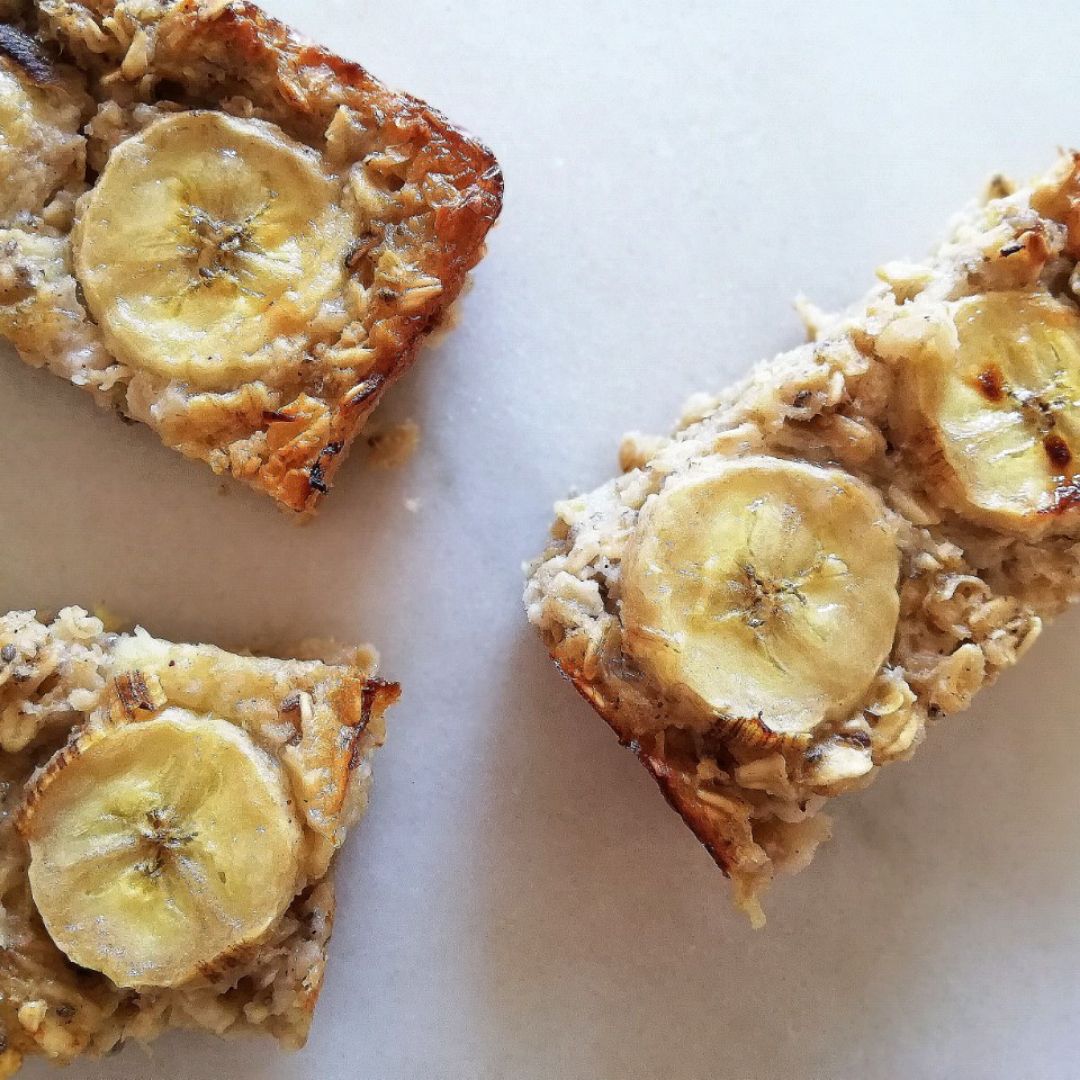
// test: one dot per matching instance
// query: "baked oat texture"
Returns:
(190, 802)
(771, 603)
(222, 231)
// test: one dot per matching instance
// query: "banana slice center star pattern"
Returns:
(160, 847)
(767, 588)
(162, 837)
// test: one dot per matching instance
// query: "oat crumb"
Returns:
(393, 446)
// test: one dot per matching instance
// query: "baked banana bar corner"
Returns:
(773, 603)
(223, 232)
(169, 815)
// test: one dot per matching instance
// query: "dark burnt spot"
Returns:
(317, 479)
(1057, 450)
(24, 51)
(374, 691)
(367, 701)
(991, 383)
(170, 90)
(317, 472)
(855, 738)
(1011, 249)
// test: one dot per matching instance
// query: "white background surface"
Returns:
(520, 902)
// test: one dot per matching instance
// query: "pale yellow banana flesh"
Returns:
(206, 238)
(16, 110)
(32, 120)
(766, 588)
(1006, 409)
(161, 846)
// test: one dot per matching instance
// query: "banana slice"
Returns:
(17, 110)
(1004, 412)
(159, 847)
(767, 590)
(40, 149)
(205, 239)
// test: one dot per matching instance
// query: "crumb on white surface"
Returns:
(813, 317)
(394, 445)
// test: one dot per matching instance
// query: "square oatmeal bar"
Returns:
(169, 818)
(226, 233)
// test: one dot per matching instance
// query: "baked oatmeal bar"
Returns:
(169, 815)
(222, 231)
(773, 602)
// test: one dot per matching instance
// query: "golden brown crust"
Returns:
(680, 790)
(1058, 197)
(312, 82)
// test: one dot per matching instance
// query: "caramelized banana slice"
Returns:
(1003, 415)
